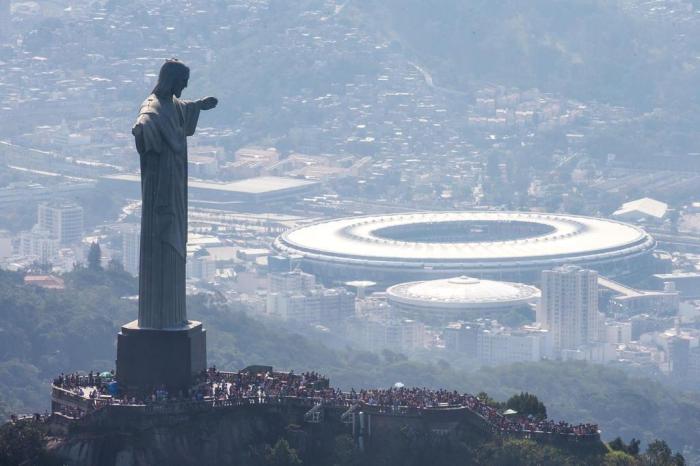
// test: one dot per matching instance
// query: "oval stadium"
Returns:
(460, 298)
(503, 245)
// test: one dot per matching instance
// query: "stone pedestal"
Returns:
(150, 358)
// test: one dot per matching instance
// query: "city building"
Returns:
(325, 306)
(617, 332)
(250, 194)
(279, 264)
(500, 346)
(679, 356)
(63, 221)
(642, 210)
(39, 244)
(393, 334)
(257, 154)
(49, 282)
(676, 342)
(201, 166)
(596, 352)
(514, 246)
(694, 364)
(6, 249)
(646, 323)
(201, 266)
(491, 343)
(23, 192)
(624, 299)
(569, 306)
(461, 337)
(686, 283)
(130, 248)
(438, 302)
(288, 282)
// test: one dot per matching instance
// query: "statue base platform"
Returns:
(151, 358)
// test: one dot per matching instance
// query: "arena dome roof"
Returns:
(462, 292)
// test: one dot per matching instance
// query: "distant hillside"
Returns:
(586, 49)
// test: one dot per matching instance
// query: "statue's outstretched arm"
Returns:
(208, 103)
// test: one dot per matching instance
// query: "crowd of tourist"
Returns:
(262, 386)
(87, 386)
(100, 389)
(265, 386)
(516, 423)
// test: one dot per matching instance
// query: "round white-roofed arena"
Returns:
(459, 298)
(514, 246)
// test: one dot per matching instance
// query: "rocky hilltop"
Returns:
(255, 415)
(260, 417)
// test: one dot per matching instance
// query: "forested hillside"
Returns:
(46, 332)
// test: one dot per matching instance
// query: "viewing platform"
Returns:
(307, 397)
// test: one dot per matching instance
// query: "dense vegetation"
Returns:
(26, 442)
(421, 449)
(45, 332)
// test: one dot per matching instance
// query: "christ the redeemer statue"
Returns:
(162, 348)
(161, 131)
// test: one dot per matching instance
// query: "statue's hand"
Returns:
(209, 102)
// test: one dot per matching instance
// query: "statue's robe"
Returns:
(161, 132)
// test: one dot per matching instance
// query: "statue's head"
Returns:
(172, 79)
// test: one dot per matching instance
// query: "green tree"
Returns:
(485, 398)
(522, 452)
(94, 258)
(619, 445)
(344, 452)
(281, 455)
(527, 404)
(40, 267)
(115, 266)
(391, 357)
(658, 453)
(22, 443)
(619, 458)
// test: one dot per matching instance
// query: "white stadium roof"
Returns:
(516, 246)
(462, 292)
(558, 236)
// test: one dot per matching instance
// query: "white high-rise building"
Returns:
(569, 306)
(326, 306)
(618, 332)
(5, 244)
(393, 334)
(201, 267)
(63, 221)
(39, 244)
(288, 282)
(130, 249)
(504, 347)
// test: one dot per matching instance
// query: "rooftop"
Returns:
(627, 292)
(258, 185)
(645, 206)
(463, 292)
(466, 236)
